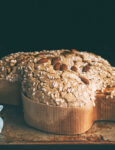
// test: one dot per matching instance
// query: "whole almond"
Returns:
(42, 60)
(55, 60)
(86, 81)
(57, 66)
(86, 68)
(73, 68)
(63, 67)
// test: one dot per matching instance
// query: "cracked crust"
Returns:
(75, 84)
(59, 77)
(63, 91)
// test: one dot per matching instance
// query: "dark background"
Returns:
(54, 24)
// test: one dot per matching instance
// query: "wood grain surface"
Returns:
(17, 132)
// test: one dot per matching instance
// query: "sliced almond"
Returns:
(73, 68)
(55, 60)
(86, 81)
(63, 67)
(57, 66)
(42, 60)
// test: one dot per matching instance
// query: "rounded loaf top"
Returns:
(12, 66)
(66, 78)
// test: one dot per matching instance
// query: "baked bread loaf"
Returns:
(67, 78)
(11, 76)
(63, 91)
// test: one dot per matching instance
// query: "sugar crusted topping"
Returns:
(72, 83)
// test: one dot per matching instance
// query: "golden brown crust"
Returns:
(55, 76)
(63, 91)
(67, 74)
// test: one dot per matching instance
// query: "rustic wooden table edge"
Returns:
(58, 143)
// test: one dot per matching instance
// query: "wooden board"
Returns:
(17, 132)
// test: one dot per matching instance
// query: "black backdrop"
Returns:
(54, 24)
